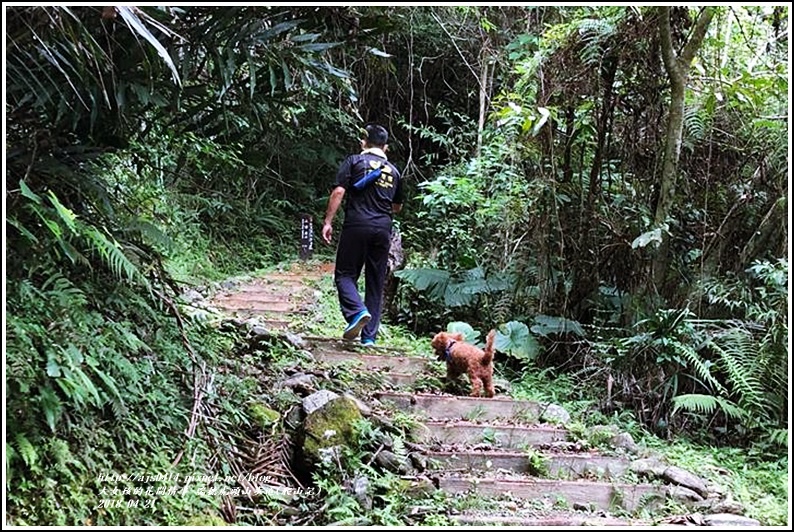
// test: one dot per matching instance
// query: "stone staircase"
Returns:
(513, 452)
(278, 300)
(499, 447)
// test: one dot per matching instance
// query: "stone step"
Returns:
(551, 465)
(259, 306)
(295, 277)
(396, 364)
(587, 494)
(274, 289)
(266, 312)
(559, 520)
(268, 322)
(276, 324)
(434, 406)
(351, 347)
(497, 435)
(259, 298)
(401, 380)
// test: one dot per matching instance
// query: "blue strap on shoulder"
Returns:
(368, 178)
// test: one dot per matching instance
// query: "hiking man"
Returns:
(373, 191)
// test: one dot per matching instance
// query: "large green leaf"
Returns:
(457, 296)
(515, 339)
(379, 53)
(465, 329)
(26, 192)
(66, 215)
(129, 14)
(546, 325)
(277, 29)
(51, 406)
(426, 279)
(317, 46)
(654, 235)
(53, 367)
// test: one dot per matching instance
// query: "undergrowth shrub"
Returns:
(98, 384)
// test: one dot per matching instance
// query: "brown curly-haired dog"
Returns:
(466, 358)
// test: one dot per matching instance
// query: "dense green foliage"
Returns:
(554, 215)
(152, 148)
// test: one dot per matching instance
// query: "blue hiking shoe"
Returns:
(356, 324)
(367, 342)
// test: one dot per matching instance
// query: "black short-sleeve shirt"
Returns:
(373, 204)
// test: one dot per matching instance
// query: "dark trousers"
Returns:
(362, 247)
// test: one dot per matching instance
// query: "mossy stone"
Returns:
(330, 426)
(263, 416)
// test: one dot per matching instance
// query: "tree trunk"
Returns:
(570, 136)
(678, 71)
(586, 266)
(769, 240)
(483, 98)
(396, 261)
(609, 70)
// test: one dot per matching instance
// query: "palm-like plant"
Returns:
(85, 79)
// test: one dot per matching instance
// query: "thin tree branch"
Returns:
(668, 55)
(452, 39)
(693, 44)
(199, 370)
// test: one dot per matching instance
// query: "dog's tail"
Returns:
(489, 348)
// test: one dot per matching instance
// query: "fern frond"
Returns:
(398, 447)
(697, 363)
(732, 410)
(695, 402)
(726, 294)
(26, 450)
(594, 33)
(11, 455)
(591, 53)
(596, 28)
(58, 287)
(115, 259)
(149, 232)
(738, 354)
(707, 404)
(501, 308)
(778, 437)
(696, 122)
(27, 290)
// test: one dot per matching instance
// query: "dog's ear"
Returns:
(457, 336)
(439, 341)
